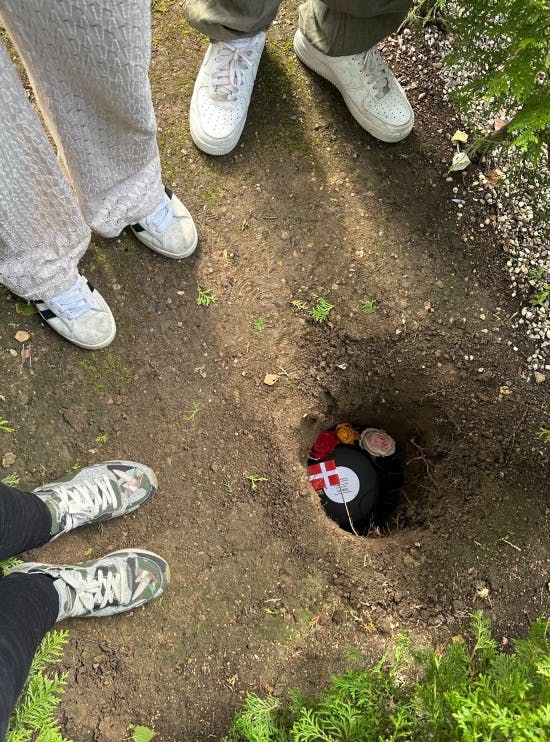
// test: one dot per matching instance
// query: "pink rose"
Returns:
(325, 443)
(377, 442)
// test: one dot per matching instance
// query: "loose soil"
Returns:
(266, 592)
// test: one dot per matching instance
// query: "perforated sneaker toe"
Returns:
(222, 92)
(374, 97)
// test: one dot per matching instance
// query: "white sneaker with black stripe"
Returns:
(81, 315)
(169, 229)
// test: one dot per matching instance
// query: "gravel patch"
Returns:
(517, 203)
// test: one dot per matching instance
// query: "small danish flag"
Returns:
(323, 475)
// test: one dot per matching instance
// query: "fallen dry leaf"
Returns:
(493, 176)
(8, 459)
(459, 136)
(460, 162)
(314, 621)
(22, 336)
(26, 355)
(271, 379)
(499, 123)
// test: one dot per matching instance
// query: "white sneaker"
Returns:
(81, 315)
(169, 229)
(374, 97)
(222, 92)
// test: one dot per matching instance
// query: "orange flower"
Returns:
(347, 434)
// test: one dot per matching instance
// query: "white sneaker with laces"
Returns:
(221, 96)
(169, 229)
(374, 97)
(81, 315)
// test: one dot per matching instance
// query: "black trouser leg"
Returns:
(29, 606)
(25, 521)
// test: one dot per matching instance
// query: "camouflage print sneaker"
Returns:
(120, 581)
(97, 493)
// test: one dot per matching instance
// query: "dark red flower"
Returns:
(324, 444)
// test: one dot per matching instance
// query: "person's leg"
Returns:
(337, 39)
(228, 20)
(25, 521)
(340, 28)
(89, 64)
(92, 495)
(29, 607)
(34, 596)
(222, 92)
(43, 234)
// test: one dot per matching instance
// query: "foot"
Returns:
(168, 229)
(371, 92)
(97, 493)
(81, 315)
(120, 581)
(222, 92)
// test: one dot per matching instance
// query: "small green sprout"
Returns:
(102, 438)
(321, 310)
(5, 426)
(205, 296)
(537, 300)
(544, 433)
(192, 414)
(254, 479)
(300, 304)
(368, 306)
(11, 480)
(259, 324)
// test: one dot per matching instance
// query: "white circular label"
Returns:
(348, 487)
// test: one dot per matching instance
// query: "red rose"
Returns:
(324, 445)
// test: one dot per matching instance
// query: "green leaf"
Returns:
(22, 307)
(142, 734)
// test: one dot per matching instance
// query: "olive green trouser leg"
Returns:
(336, 27)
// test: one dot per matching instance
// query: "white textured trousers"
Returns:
(88, 64)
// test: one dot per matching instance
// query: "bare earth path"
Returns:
(266, 593)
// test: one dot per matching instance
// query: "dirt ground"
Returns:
(267, 593)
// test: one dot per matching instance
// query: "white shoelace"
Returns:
(228, 75)
(376, 72)
(106, 589)
(161, 217)
(74, 302)
(84, 499)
